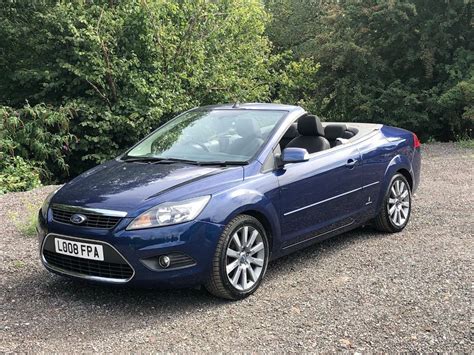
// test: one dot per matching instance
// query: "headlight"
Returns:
(170, 213)
(44, 208)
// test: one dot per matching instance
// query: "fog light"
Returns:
(164, 261)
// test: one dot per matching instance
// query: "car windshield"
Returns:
(206, 136)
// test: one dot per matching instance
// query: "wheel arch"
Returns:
(399, 164)
(265, 223)
(407, 176)
(267, 216)
(264, 207)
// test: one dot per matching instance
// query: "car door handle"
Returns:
(351, 163)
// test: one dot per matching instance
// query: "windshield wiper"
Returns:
(201, 163)
(222, 162)
(143, 159)
(157, 160)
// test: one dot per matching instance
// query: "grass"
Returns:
(26, 224)
(466, 143)
(18, 264)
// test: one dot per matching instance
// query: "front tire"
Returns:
(240, 260)
(396, 208)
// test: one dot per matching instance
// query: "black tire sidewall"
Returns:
(245, 221)
(396, 177)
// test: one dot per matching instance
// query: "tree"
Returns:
(406, 63)
(120, 69)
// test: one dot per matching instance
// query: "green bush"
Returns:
(404, 63)
(38, 134)
(120, 69)
(81, 81)
(17, 174)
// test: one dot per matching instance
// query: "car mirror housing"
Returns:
(294, 155)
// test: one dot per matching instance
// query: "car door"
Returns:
(321, 194)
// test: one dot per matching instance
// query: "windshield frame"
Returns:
(123, 157)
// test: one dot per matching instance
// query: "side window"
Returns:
(290, 134)
(270, 163)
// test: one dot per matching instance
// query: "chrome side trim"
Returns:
(319, 235)
(372, 184)
(98, 211)
(329, 199)
(82, 276)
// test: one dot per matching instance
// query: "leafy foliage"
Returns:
(18, 175)
(406, 63)
(123, 68)
(40, 135)
(82, 81)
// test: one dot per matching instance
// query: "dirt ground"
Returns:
(361, 291)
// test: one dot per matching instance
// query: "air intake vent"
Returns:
(176, 261)
(113, 268)
(88, 267)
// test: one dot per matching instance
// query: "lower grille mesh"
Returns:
(180, 260)
(88, 267)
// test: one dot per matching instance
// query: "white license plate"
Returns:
(79, 249)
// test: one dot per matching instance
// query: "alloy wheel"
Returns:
(398, 204)
(245, 258)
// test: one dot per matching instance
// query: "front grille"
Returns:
(88, 267)
(93, 220)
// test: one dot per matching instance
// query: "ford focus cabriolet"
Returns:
(213, 195)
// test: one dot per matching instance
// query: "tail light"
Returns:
(416, 141)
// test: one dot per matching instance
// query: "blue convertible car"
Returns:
(213, 195)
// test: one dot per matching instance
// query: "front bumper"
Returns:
(195, 239)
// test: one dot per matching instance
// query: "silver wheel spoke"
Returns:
(235, 279)
(252, 274)
(406, 204)
(232, 266)
(394, 193)
(245, 235)
(252, 239)
(255, 261)
(392, 210)
(404, 195)
(232, 253)
(392, 201)
(404, 212)
(256, 248)
(236, 239)
(244, 278)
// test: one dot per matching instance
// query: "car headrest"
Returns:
(333, 131)
(310, 125)
(247, 127)
(292, 132)
(351, 132)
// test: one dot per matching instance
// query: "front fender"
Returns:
(227, 206)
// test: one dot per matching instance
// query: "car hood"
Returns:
(124, 186)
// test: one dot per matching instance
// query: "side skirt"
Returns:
(318, 237)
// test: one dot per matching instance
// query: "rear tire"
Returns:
(396, 207)
(240, 260)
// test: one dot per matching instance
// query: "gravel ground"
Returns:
(362, 291)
